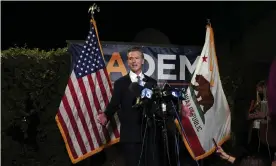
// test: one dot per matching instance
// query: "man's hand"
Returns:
(102, 119)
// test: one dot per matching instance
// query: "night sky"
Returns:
(48, 25)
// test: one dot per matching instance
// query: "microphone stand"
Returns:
(165, 135)
(182, 128)
(176, 135)
(144, 143)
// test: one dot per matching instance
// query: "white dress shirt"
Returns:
(133, 76)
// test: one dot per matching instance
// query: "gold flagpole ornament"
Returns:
(92, 10)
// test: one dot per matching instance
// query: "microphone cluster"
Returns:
(147, 93)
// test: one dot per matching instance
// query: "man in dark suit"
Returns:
(122, 101)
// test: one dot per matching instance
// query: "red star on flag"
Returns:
(204, 58)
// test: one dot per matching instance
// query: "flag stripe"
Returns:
(114, 124)
(104, 98)
(95, 127)
(108, 88)
(99, 104)
(107, 95)
(72, 123)
(102, 88)
(114, 120)
(192, 137)
(96, 105)
(79, 104)
(76, 118)
(68, 137)
(87, 109)
(82, 102)
(106, 76)
(70, 128)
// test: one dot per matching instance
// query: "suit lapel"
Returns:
(129, 94)
(147, 77)
(128, 80)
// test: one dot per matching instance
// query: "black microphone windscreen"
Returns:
(135, 88)
(166, 86)
(149, 85)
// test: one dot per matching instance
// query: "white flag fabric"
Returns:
(209, 115)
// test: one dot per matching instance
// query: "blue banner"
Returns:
(171, 64)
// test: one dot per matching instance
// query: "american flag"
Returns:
(88, 91)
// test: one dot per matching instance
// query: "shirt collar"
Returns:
(133, 76)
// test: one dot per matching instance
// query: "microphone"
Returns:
(146, 93)
(175, 93)
(166, 90)
(143, 82)
(136, 88)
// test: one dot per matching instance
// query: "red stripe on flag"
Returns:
(95, 100)
(80, 113)
(105, 91)
(192, 139)
(114, 127)
(108, 80)
(73, 123)
(66, 132)
(89, 111)
(105, 98)
(93, 123)
(102, 88)
(75, 97)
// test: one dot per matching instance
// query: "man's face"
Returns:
(135, 61)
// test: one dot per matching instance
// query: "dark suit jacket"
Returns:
(122, 101)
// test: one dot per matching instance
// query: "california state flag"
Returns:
(209, 114)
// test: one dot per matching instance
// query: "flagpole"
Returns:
(92, 10)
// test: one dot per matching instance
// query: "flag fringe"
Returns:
(80, 158)
(206, 154)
